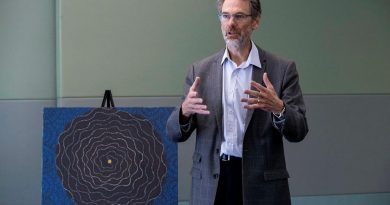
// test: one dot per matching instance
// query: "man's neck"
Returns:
(239, 55)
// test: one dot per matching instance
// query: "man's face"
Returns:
(237, 31)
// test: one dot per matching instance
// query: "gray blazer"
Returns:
(263, 163)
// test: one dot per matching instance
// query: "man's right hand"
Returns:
(193, 104)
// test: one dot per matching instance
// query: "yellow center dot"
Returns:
(109, 161)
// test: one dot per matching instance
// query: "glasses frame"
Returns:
(237, 17)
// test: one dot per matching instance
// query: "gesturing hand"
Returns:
(263, 97)
(193, 104)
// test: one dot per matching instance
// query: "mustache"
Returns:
(225, 33)
(232, 29)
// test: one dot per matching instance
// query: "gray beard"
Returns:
(234, 44)
(237, 44)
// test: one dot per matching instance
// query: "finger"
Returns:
(257, 105)
(200, 109)
(249, 101)
(253, 106)
(192, 94)
(252, 93)
(196, 101)
(195, 85)
(256, 102)
(255, 84)
(191, 109)
(268, 83)
(258, 86)
(252, 100)
(262, 102)
(257, 94)
(245, 99)
(202, 112)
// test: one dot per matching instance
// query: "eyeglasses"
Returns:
(239, 17)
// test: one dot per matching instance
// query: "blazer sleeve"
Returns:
(295, 126)
(175, 130)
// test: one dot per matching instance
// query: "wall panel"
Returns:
(143, 48)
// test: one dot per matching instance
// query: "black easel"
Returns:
(108, 98)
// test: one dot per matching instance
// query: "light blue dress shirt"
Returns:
(236, 79)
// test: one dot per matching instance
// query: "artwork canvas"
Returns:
(108, 156)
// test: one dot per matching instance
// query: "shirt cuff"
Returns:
(279, 119)
(281, 114)
(186, 127)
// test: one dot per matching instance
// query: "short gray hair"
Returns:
(255, 7)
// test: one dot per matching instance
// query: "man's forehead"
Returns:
(236, 6)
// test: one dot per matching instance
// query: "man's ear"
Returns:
(256, 23)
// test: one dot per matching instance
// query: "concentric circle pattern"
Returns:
(111, 157)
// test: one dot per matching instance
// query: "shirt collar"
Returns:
(253, 58)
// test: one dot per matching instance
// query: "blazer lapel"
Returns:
(216, 74)
(257, 76)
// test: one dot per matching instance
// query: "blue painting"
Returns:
(108, 156)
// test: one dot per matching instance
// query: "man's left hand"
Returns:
(264, 98)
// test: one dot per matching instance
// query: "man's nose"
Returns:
(231, 21)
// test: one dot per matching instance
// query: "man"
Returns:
(241, 101)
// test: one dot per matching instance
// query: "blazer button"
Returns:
(216, 176)
(217, 151)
